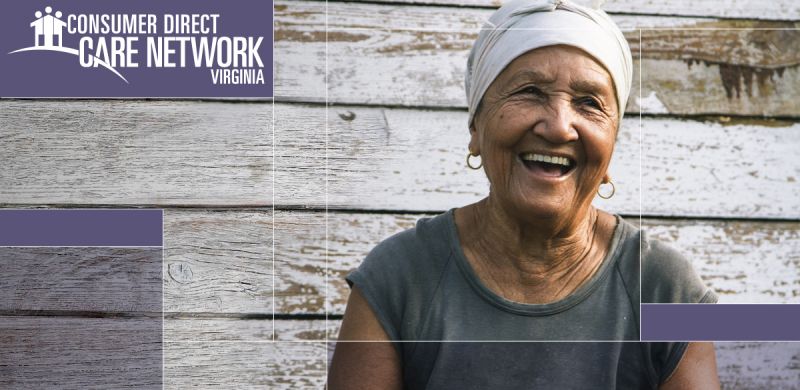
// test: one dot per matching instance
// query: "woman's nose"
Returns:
(557, 123)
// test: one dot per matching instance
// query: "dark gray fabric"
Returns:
(529, 365)
(668, 277)
(421, 287)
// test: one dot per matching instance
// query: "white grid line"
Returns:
(327, 266)
(273, 174)
(641, 187)
(163, 334)
(466, 341)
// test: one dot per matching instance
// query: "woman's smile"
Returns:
(546, 165)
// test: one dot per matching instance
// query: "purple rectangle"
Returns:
(81, 227)
(723, 322)
(58, 48)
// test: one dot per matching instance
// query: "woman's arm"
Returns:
(364, 357)
(696, 370)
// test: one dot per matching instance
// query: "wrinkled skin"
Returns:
(557, 100)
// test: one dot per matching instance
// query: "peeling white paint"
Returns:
(651, 104)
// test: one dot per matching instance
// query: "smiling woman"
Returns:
(547, 83)
(539, 212)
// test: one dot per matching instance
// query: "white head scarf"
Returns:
(523, 25)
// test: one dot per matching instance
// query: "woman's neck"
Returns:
(537, 262)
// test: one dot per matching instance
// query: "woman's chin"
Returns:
(542, 209)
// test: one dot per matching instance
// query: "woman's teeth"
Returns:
(544, 158)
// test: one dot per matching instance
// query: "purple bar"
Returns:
(52, 49)
(100, 227)
(722, 322)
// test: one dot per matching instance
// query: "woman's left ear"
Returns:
(606, 179)
(474, 142)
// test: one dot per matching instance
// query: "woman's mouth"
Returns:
(547, 165)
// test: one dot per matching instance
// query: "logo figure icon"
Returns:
(47, 27)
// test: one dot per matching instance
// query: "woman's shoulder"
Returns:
(668, 276)
(408, 258)
(430, 236)
(400, 274)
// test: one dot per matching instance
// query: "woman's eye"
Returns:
(590, 102)
(533, 91)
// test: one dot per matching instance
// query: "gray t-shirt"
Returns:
(421, 288)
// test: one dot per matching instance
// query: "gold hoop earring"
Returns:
(469, 163)
(613, 190)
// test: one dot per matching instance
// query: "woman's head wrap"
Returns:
(523, 25)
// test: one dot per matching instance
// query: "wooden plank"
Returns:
(245, 365)
(414, 160)
(400, 159)
(115, 280)
(135, 152)
(690, 168)
(80, 353)
(744, 261)
(737, 70)
(102, 353)
(222, 330)
(220, 263)
(240, 353)
(759, 366)
(389, 159)
(401, 55)
(747, 9)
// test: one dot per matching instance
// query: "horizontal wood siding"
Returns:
(744, 261)
(390, 55)
(134, 152)
(378, 158)
(220, 262)
(80, 353)
(746, 9)
(102, 353)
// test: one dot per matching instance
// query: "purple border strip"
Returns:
(722, 322)
(101, 227)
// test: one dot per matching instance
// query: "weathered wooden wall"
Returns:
(712, 165)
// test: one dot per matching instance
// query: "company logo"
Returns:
(47, 29)
(120, 42)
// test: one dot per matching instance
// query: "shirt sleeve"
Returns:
(400, 275)
(668, 277)
(376, 279)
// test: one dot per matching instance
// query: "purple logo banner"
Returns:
(720, 322)
(81, 227)
(141, 48)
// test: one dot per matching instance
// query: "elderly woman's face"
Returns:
(545, 131)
